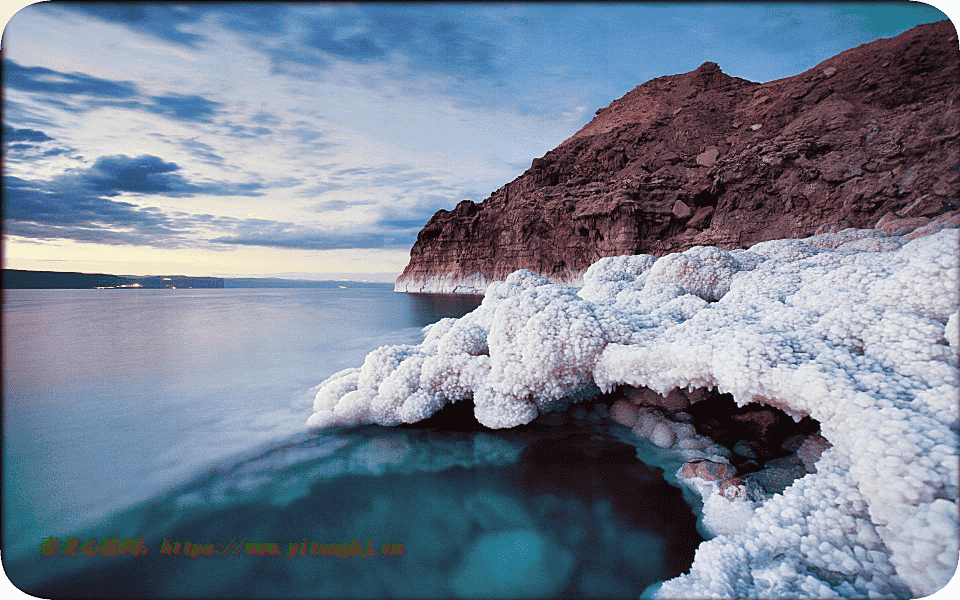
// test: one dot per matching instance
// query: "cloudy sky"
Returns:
(315, 140)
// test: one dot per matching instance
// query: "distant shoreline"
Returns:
(19, 279)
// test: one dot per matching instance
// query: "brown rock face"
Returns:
(674, 401)
(707, 159)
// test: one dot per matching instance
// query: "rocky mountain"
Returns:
(870, 137)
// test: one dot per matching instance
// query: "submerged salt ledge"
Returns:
(452, 283)
(458, 283)
(856, 329)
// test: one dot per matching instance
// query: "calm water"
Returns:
(179, 416)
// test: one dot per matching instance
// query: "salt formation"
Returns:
(856, 329)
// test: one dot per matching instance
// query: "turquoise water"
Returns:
(177, 417)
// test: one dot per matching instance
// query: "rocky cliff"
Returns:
(870, 137)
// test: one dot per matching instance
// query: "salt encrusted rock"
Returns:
(673, 401)
(810, 450)
(696, 395)
(948, 220)
(624, 413)
(609, 276)
(738, 488)
(928, 205)
(662, 435)
(951, 332)
(745, 449)
(778, 474)
(708, 470)
(859, 335)
(760, 423)
(891, 225)
(792, 443)
(703, 271)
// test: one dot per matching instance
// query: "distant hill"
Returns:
(274, 282)
(17, 279)
(176, 281)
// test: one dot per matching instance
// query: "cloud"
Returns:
(448, 39)
(366, 177)
(47, 81)
(311, 139)
(56, 152)
(183, 108)
(264, 118)
(150, 175)
(160, 20)
(84, 205)
(28, 154)
(46, 210)
(328, 37)
(81, 205)
(399, 198)
(337, 204)
(244, 131)
(168, 21)
(26, 146)
(406, 216)
(25, 113)
(24, 135)
(201, 151)
(260, 232)
(322, 187)
(403, 177)
(262, 19)
(444, 39)
(73, 92)
(397, 216)
(111, 175)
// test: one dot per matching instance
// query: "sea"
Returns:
(154, 446)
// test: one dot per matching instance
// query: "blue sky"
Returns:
(315, 140)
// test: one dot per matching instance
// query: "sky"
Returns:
(315, 140)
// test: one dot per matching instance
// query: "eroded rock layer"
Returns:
(705, 159)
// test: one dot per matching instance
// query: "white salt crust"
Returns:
(457, 283)
(452, 283)
(855, 329)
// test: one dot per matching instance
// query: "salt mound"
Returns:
(855, 329)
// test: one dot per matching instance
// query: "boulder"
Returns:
(778, 474)
(624, 412)
(707, 469)
(674, 401)
(681, 210)
(708, 158)
(738, 488)
(810, 450)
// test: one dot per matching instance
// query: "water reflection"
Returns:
(425, 309)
